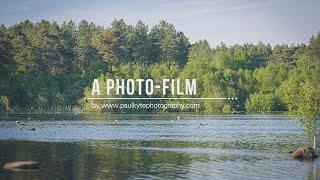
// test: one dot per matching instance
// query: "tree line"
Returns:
(46, 64)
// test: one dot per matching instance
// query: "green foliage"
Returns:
(160, 71)
(271, 77)
(309, 106)
(4, 104)
(301, 91)
(260, 102)
(226, 109)
(123, 71)
(45, 64)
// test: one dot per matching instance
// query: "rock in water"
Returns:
(303, 153)
(22, 165)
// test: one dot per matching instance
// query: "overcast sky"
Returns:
(228, 21)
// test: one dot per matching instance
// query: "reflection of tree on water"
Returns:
(100, 160)
(314, 174)
(125, 162)
(184, 150)
(314, 171)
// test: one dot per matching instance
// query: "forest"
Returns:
(46, 65)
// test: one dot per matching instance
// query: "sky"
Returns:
(228, 21)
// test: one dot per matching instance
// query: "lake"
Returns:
(155, 146)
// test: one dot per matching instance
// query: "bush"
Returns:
(260, 102)
(4, 104)
(226, 109)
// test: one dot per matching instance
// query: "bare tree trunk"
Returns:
(315, 140)
(315, 134)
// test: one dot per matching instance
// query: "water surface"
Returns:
(155, 146)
